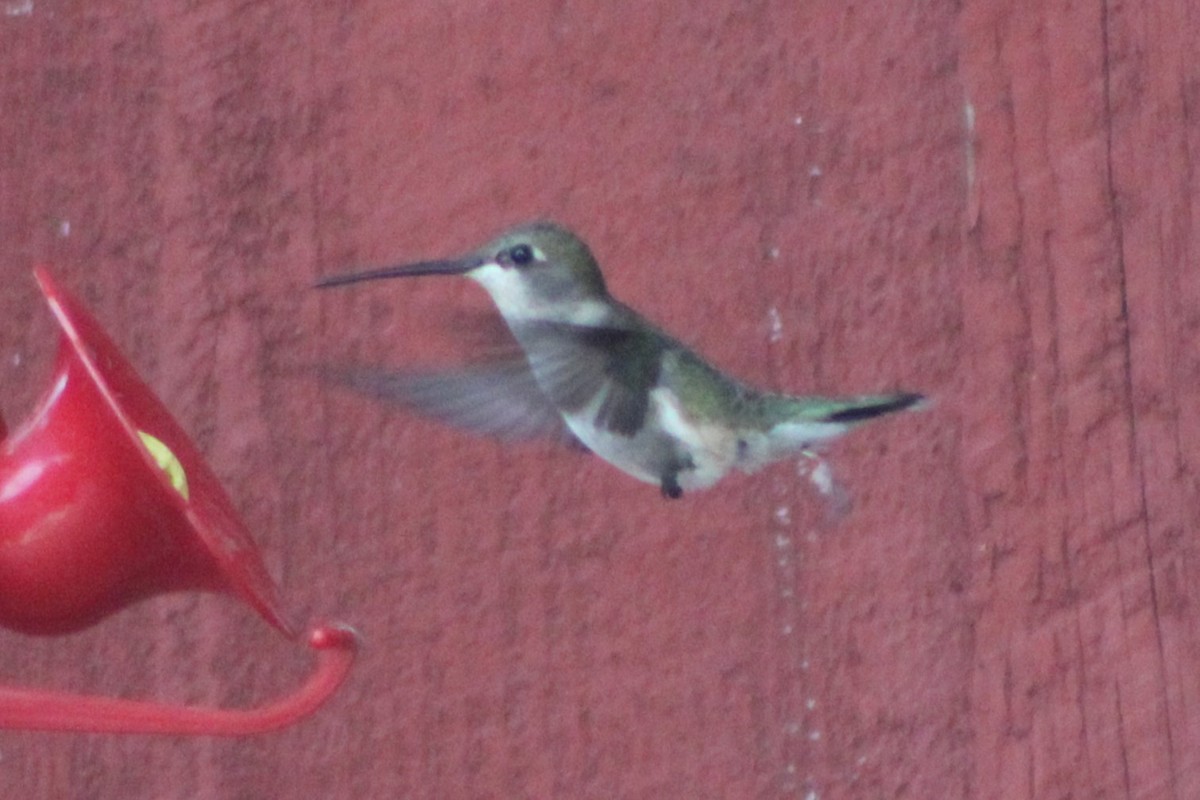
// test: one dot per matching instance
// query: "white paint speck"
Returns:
(810, 703)
(787, 629)
(787, 592)
(791, 728)
(783, 515)
(776, 324)
(16, 359)
(782, 541)
(23, 8)
(804, 665)
(791, 768)
(773, 253)
(64, 228)
(798, 120)
(969, 122)
(814, 735)
(812, 795)
(818, 471)
(814, 171)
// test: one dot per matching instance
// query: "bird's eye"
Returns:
(521, 254)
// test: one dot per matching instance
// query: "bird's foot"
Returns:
(670, 478)
(670, 486)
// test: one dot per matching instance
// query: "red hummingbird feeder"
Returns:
(105, 501)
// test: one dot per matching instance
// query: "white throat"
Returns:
(518, 302)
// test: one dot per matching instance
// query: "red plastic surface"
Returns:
(335, 647)
(88, 521)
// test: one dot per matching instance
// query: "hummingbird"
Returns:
(591, 371)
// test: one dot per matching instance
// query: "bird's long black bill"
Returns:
(448, 267)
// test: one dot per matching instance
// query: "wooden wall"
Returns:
(991, 202)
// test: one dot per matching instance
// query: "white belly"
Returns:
(667, 436)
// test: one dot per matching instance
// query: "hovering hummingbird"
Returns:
(592, 370)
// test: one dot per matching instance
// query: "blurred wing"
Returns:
(613, 366)
(498, 398)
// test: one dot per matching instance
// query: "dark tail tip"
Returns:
(887, 405)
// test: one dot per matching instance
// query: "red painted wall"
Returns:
(989, 202)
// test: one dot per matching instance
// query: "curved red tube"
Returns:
(29, 709)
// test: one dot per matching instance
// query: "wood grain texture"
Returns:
(988, 202)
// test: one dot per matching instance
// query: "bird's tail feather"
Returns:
(852, 410)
